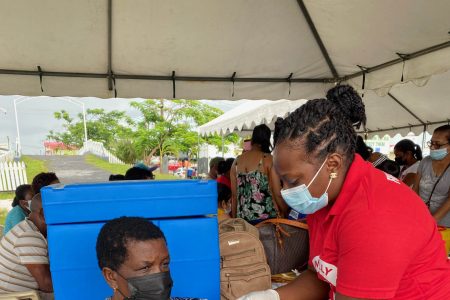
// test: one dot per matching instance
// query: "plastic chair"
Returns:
(28, 295)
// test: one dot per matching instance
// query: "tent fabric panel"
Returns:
(376, 30)
(64, 35)
(255, 38)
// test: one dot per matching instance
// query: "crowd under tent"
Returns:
(214, 49)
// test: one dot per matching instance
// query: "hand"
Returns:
(262, 295)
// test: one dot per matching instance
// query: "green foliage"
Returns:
(6, 195)
(165, 127)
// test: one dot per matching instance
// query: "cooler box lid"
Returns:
(81, 203)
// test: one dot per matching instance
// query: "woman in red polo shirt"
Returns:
(371, 237)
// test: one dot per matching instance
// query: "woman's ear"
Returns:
(335, 162)
(110, 277)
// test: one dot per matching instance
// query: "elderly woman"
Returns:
(133, 256)
(21, 207)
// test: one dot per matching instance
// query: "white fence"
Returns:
(98, 149)
(6, 156)
(12, 174)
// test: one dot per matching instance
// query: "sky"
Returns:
(35, 117)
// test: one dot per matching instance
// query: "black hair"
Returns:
(225, 166)
(223, 193)
(362, 149)
(390, 167)
(261, 136)
(116, 177)
(214, 162)
(445, 129)
(325, 125)
(136, 173)
(21, 192)
(408, 145)
(113, 239)
(41, 180)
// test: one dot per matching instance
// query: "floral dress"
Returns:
(254, 199)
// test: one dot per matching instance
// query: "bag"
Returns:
(286, 244)
(243, 266)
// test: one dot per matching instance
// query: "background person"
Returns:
(436, 194)
(24, 263)
(137, 173)
(224, 170)
(43, 179)
(224, 202)
(254, 184)
(133, 257)
(21, 207)
(214, 167)
(408, 155)
(371, 237)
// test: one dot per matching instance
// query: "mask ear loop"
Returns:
(318, 171)
(120, 292)
(333, 175)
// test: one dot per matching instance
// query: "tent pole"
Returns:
(316, 35)
(110, 81)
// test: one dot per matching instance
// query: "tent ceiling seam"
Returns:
(316, 35)
(368, 131)
(406, 108)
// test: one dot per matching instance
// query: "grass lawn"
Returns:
(103, 164)
(119, 169)
(3, 213)
(34, 167)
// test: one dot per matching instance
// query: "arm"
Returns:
(417, 183)
(443, 210)
(305, 287)
(275, 187)
(233, 179)
(41, 273)
(410, 179)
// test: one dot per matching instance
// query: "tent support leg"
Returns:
(110, 80)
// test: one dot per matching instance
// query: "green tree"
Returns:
(105, 127)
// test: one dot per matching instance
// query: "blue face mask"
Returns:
(438, 154)
(300, 199)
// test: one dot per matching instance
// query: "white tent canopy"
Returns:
(247, 115)
(215, 49)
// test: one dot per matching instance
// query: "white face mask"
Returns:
(300, 199)
(29, 204)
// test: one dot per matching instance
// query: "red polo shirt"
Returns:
(378, 241)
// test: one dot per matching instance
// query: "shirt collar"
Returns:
(353, 179)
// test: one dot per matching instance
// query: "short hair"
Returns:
(41, 180)
(223, 193)
(225, 166)
(136, 173)
(444, 129)
(261, 136)
(390, 167)
(116, 234)
(21, 192)
(408, 145)
(116, 177)
(325, 126)
(215, 161)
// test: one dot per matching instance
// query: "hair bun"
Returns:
(349, 102)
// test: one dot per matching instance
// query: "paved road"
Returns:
(73, 169)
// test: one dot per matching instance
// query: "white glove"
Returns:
(261, 295)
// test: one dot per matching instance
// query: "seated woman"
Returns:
(408, 155)
(21, 207)
(224, 199)
(134, 259)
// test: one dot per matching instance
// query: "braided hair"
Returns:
(324, 126)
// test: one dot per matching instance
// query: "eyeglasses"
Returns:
(435, 144)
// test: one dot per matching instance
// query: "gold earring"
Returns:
(333, 175)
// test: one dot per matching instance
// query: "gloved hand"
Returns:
(261, 295)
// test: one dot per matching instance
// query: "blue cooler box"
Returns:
(75, 214)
